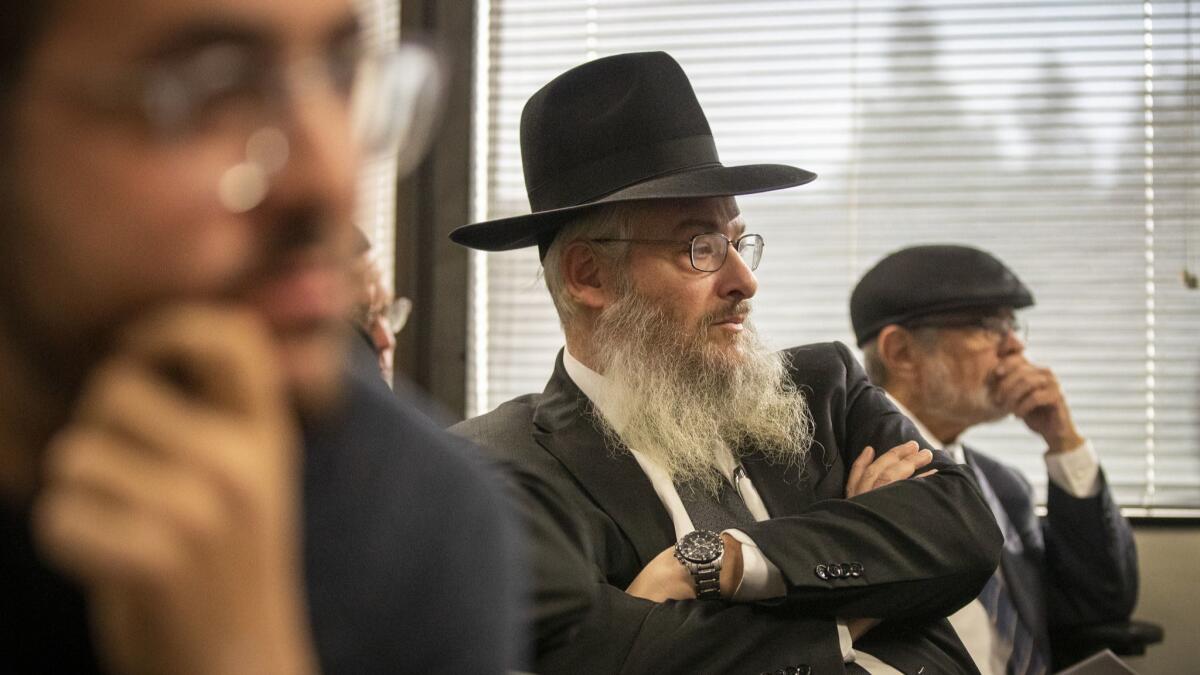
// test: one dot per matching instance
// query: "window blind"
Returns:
(1059, 135)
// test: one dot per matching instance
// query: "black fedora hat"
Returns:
(617, 129)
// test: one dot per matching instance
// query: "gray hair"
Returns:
(611, 221)
(926, 337)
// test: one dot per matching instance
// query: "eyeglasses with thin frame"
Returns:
(999, 327)
(708, 251)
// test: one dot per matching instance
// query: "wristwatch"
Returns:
(702, 553)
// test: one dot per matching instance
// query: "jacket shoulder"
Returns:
(504, 429)
(822, 363)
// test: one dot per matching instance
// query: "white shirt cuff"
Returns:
(761, 579)
(1076, 472)
(845, 642)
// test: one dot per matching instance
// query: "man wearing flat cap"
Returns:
(937, 327)
(744, 511)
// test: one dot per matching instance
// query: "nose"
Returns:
(1011, 343)
(737, 280)
(321, 167)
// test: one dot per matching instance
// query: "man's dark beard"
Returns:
(675, 392)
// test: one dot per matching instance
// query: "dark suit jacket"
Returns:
(411, 556)
(1077, 566)
(926, 546)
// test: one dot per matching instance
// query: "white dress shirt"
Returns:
(1076, 472)
(761, 579)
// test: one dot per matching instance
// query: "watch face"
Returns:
(701, 546)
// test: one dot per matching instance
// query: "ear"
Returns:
(585, 276)
(899, 351)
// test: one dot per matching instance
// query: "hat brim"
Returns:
(515, 232)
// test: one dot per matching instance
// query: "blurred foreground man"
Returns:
(741, 510)
(937, 326)
(189, 482)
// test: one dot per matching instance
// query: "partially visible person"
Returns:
(376, 314)
(190, 482)
(939, 332)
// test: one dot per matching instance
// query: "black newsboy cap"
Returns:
(923, 280)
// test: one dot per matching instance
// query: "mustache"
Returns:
(740, 308)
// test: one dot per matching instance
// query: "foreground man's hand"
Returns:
(1033, 394)
(869, 472)
(665, 578)
(173, 497)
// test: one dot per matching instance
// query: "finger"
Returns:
(905, 468)
(222, 355)
(100, 543)
(1040, 398)
(126, 477)
(856, 470)
(926, 474)
(130, 400)
(1014, 388)
(887, 460)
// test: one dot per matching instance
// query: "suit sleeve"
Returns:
(585, 623)
(1091, 559)
(922, 547)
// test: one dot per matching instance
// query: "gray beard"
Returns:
(943, 400)
(674, 394)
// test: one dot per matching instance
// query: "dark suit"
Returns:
(1077, 566)
(925, 547)
(411, 556)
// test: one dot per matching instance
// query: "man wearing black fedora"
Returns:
(743, 510)
(939, 333)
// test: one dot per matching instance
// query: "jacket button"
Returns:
(822, 572)
(856, 569)
(836, 571)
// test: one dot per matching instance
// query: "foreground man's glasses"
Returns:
(709, 250)
(230, 95)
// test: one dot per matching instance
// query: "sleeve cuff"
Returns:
(1076, 472)
(845, 642)
(761, 579)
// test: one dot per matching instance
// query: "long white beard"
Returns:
(675, 394)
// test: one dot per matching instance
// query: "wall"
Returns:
(1169, 562)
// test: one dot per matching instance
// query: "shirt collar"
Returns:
(593, 385)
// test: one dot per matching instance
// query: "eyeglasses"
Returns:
(709, 250)
(231, 93)
(999, 327)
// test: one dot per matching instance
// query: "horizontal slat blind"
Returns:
(1060, 135)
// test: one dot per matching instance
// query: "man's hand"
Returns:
(173, 497)
(665, 578)
(1033, 394)
(901, 462)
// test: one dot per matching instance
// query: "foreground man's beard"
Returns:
(674, 392)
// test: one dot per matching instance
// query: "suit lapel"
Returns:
(784, 492)
(612, 479)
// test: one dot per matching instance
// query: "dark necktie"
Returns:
(722, 511)
(1025, 659)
